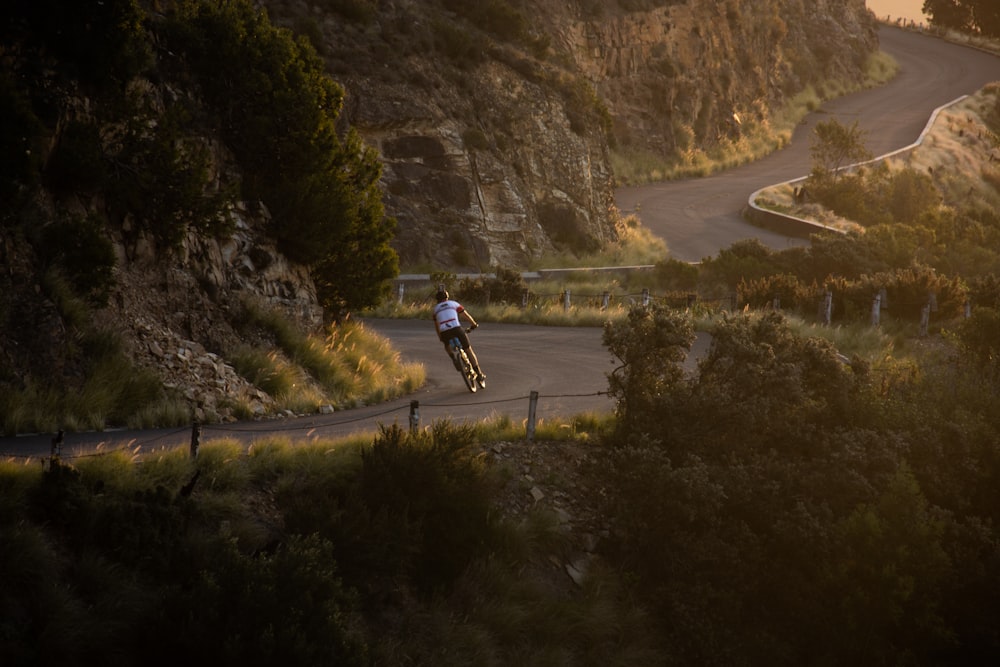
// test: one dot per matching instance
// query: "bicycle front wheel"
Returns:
(468, 374)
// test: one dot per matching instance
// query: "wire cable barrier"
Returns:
(136, 445)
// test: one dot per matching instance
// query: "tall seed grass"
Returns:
(349, 365)
(635, 245)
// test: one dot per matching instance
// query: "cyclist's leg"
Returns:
(468, 349)
(445, 337)
(474, 360)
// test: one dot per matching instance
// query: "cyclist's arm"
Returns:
(469, 317)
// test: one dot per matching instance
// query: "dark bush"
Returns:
(744, 260)
(672, 274)
(80, 250)
(507, 287)
(103, 44)
(787, 290)
(78, 163)
(21, 142)
(277, 110)
(162, 177)
(434, 498)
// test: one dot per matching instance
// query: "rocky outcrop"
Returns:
(690, 75)
(497, 146)
(183, 315)
(503, 152)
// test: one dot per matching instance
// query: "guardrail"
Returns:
(783, 223)
(797, 227)
(529, 276)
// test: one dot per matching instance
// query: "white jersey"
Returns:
(446, 315)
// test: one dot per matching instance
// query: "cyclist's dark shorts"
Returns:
(448, 334)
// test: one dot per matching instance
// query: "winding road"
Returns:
(698, 217)
(568, 366)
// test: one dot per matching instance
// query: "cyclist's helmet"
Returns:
(442, 295)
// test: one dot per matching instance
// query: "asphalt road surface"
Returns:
(698, 217)
(568, 366)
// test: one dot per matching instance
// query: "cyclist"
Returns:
(448, 326)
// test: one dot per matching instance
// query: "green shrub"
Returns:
(506, 288)
(359, 11)
(911, 194)
(163, 178)
(80, 250)
(278, 112)
(475, 139)
(649, 343)
(979, 336)
(461, 47)
(78, 163)
(744, 260)
(433, 498)
(788, 290)
(676, 275)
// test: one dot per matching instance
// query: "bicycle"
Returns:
(462, 363)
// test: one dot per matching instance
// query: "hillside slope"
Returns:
(496, 121)
(126, 220)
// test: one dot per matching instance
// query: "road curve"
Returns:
(698, 217)
(568, 366)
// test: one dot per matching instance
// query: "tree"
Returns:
(762, 386)
(955, 14)
(887, 567)
(650, 343)
(278, 111)
(835, 146)
(982, 16)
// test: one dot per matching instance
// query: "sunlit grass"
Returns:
(349, 366)
(636, 246)
(583, 426)
(548, 307)
(221, 465)
(855, 339)
(171, 411)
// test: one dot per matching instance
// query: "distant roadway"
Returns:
(698, 217)
(568, 366)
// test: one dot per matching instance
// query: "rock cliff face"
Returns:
(174, 315)
(496, 122)
(692, 74)
(500, 150)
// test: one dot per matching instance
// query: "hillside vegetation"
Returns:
(179, 180)
(783, 506)
(780, 508)
(182, 175)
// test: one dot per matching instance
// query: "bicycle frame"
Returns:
(462, 362)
